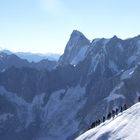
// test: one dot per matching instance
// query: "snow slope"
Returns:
(125, 126)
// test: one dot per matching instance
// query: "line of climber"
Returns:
(109, 116)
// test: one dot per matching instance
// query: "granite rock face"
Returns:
(75, 49)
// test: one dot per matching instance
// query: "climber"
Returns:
(139, 98)
(124, 107)
(93, 125)
(113, 113)
(99, 121)
(116, 112)
(109, 115)
(121, 110)
(103, 118)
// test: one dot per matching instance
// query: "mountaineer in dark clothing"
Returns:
(96, 123)
(116, 112)
(103, 118)
(124, 107)
(93, 125)
(139, 98)
(113, 113)
(99, 121)
(121, 109)
(109, 115)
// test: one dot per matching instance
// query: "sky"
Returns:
(43, 26)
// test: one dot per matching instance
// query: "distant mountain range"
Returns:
(59, 100)
(33, 57)
(8, 60)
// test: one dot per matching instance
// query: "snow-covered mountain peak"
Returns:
(124, 126)
(77, 33)
(104, 40)
(76, 38)
(136, 37)
(75, 49)
(115, 36)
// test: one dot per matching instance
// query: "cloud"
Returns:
(51, 6)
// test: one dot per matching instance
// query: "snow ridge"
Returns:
(124, 126)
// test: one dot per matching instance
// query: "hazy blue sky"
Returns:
(45, 25)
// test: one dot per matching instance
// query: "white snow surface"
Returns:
(131, 59)
(125, 126)
(113, 66)
(114, 93)
(25, 110)
(59, 115)
(128, 73)
(1, 56)
(95, 62)
(104, 45)
(120, 47)
(80, 56)
(61, 111)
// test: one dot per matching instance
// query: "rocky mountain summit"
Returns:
(90, 79)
